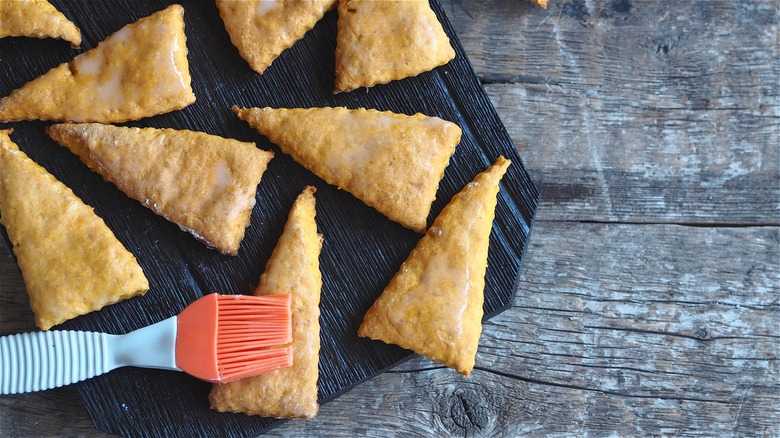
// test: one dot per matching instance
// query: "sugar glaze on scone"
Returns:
(292, 269)
(36, 19)
(262, 29)
(204, 183)
(391, 162)
(71, 262)
(379, 41)
(139, 71)
(433, 304)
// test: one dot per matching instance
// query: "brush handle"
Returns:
(44, 360)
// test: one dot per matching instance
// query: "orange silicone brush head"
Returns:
(222, 338)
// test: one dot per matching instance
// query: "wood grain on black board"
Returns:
(362, 249)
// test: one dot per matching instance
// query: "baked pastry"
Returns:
(37, 19)
(542, 3)
(261, 29)
(204, 183)
(292, 269)
(139, 71)
(433, 305)
(391, 162)
(379, 41)
(70, 260)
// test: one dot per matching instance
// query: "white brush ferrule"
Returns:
(44, 360)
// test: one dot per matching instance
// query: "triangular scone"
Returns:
(292, 269)
(380, 41)
(36, 19)
(542, 3)
(392, 162)
(263, 29)
(139, 71)
(433, 305)
(204, 183)
(70, 260)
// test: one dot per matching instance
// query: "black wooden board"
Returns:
(362, 249)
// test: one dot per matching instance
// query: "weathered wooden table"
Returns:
(649, 303)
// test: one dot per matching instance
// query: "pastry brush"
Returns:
(217, 338)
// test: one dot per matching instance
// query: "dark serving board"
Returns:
(362, 249)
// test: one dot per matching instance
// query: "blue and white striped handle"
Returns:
(45, 360)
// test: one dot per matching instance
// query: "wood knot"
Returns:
(701, 333)
(469, 412)
(664, 46)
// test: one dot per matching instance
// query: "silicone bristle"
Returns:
(254, 363)
(251, 335)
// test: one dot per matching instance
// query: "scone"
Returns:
(391, 162)
(262, 29)
(292, 269)
(139, 71)
(36, 19)
(204, 183)
(379, 41)
(70, 260)
(433, 305)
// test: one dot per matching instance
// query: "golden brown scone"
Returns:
(433, 305)
(391, 162)
(263, 29)
(542, 3)
(37, 19)
(70, 260)
(204, 183)
(292, 269)
(139, 71)
(379, 41)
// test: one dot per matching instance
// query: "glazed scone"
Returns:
(379, 41)
(36, 19)
(391, 162)
(292, 269)
(139, 71)
(433, 305)
(71, 262)
(262, 29)
(204, 183)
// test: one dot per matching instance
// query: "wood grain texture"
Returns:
(651, 111)
(662, 335)
(650, 301)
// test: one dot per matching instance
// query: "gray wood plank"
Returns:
(637, 170)
(643, 111)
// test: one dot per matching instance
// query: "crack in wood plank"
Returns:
(613, 393)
